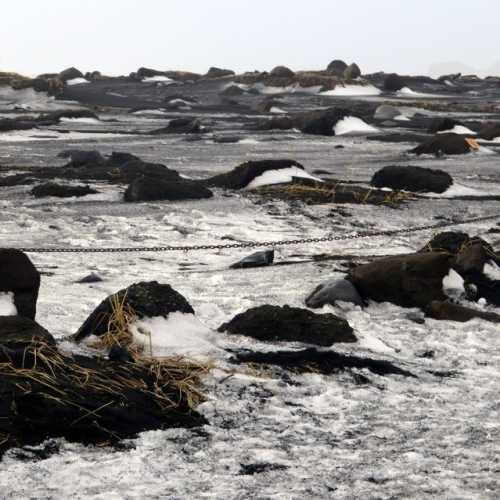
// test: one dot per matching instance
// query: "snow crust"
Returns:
(353, 90)
(76, 81)
(280, 176)
(353, 125)
(158, 78)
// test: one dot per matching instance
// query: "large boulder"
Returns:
(446, 144)
(352, 72)
(415, 179)
(413, 280)
(453, 312)
(19, 276)
(79, 157)
(333, 291)
(150, 189)
(144, 300)
(241, 176)
(292, 324)
(61, 190)
(323, 122)
(17, 332)
(180, 126)
(214, 72)
(447, 241)
(490, 131)
(443, 124)
(282, 72)
(393, 82)
(257, 259)
(70, 74)
(336, 68)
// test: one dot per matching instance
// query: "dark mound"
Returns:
(60, 190)
(336, 68)
(415, 179)
(394, 82)
(444, 144)
(282, 72)
(149, 189)
(214, 72)
(274, 323)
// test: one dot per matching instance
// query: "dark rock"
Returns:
(79, 157)
(146, 299)
(325, 362)
(267, 104)
(448, 241)
(233, 90)
(180, 126)
(214, 72)
(16, 332)
(453, 312)
(55, 116)
(259, 468)
(352, 72)
(274, 323)
(415, 179)
(413, 280)
(394, 82)
(60, 190)
(135, 169)
(276, 123)
(150, 188)
(323, 122)
(445, 144)
(9, 124)
(148, 73)
(119, 158)
(332, 291)
(257, 259)
(282, 72)
(241, 176)
(19, 276)
(120, 354)
(443, 124)
(227, 139)
(91, 278)
(490, 131)
(70, 74)
(336, 68)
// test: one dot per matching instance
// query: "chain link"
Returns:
(257, 244)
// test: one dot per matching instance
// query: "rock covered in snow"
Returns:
(292, 324)
(332, 291)
(257, 259)
(70, 74)
(150, 189)
(19, 276)
(415, 179)
(241, 176)
(145, 299)
(446, 144)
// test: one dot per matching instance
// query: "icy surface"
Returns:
(7, 306)
(280, 176)
(434, 436)
(353, 125)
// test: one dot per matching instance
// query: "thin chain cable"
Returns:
(257, 244)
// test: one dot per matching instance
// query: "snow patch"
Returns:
(180, 334)
(353, 125)
(402, 118)
(352, 90)
(158, 78)
(7, 306)
(277, 111)
(80, 120)
(406, 91)
(491, 270)
(458, 129)
(279, 177)
(453, 284)
(76, 81)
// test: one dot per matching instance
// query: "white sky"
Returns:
(118, 36)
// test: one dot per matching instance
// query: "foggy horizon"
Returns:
(120, 36)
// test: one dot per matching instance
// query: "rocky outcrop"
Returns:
(150, 189)
(19, 276)
(393, 82)
(414, 179)
(282, 72)
(274, 323)
(180, 126)
(336, 68)
(70, 74)
(214, 72)
(144, 299)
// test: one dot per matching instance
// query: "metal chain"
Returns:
(256, 244)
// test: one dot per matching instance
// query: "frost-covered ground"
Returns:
(433, 436)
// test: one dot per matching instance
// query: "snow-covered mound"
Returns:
(407, 92)
(158, 78)
(458, 129)
(353, 125)
(80, 120)
(179, 334)
(279, 177)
